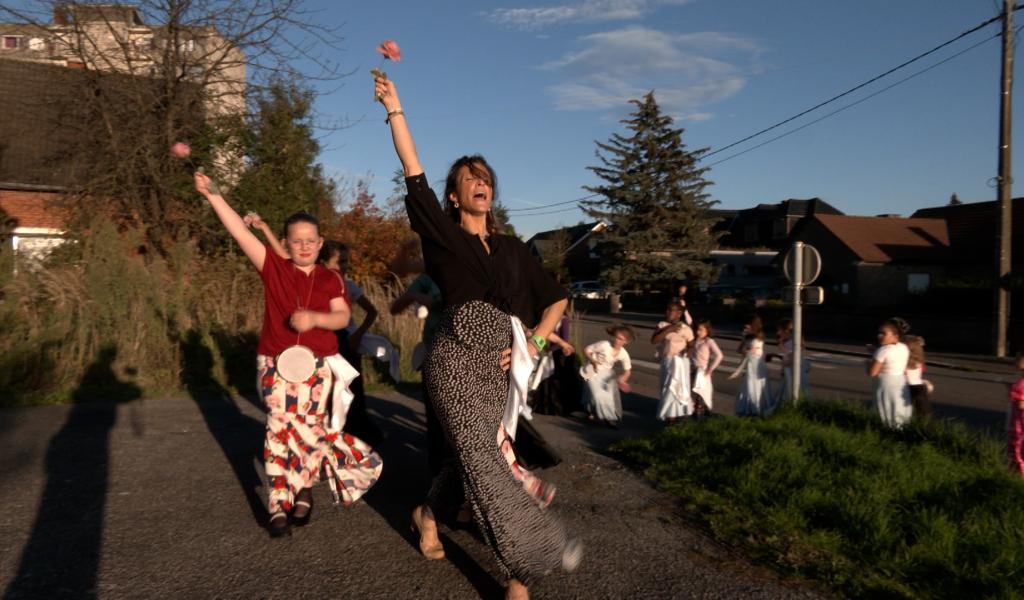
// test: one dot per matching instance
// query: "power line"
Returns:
(545, 206)
(526, 212)
(864, 99)
(857, 87)
(560, 210)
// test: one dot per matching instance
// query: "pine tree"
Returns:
(954, 200)
(283, 175)
(654, 202)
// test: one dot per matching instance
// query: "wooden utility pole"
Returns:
(1005, 181)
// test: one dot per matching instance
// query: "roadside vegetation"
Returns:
(824, 491)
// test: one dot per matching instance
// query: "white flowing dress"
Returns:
(601, 394)
(675, 373)
(754, 396)
(892, 394)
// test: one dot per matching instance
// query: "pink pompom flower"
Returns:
(181, 150)
(389, 50)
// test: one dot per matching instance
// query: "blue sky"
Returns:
(532, 85)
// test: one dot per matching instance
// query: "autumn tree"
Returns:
(654, 200)
(372, 233)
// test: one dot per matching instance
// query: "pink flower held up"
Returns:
(390, 50)
(181, 150)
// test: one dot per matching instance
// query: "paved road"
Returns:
(163, 499)
(977, 398)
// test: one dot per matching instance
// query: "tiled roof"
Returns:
(972, 229)
(890, 239)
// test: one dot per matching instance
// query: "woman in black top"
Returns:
(484, 278)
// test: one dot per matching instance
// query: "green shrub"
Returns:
(825, 491)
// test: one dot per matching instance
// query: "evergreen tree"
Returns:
(954, 200)
(282, 174)
(654, 202)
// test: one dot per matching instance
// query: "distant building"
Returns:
(42, 67)
(876, 261)
(972, 235)
(768, 226)
(582, 261)
(114, 38)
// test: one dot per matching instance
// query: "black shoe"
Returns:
(278, 525)
(304, 501)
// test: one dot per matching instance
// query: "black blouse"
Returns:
(510, 277)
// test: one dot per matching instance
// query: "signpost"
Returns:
(802, 265)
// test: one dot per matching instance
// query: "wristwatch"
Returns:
(539, 342)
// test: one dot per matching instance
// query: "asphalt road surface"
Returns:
(163, 498)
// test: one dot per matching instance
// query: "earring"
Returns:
(456, 203)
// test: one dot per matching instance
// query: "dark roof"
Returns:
(575, 233)
(972, 229)
(793, 207)
(32, 140)
(890, 239)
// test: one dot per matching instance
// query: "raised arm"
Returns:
(400, 135)
(272, 241)
(249, 243)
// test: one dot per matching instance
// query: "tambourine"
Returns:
(296, 364)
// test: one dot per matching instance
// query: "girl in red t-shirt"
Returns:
(303, 304)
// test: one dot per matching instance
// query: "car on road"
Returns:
(590, 290)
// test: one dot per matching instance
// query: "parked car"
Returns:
(589, 290)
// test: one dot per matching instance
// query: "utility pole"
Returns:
(1005, 180)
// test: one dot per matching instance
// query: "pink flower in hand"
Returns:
(390, 50)
(181, 150)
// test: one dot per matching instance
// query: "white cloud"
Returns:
(687, 71)
(585, 11)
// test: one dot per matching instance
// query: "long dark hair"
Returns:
(479, 167)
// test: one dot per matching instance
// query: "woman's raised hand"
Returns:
(202, 183)
(386, 93)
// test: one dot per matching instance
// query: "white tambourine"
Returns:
(296, 364)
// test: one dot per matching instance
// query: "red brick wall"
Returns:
(32, 208)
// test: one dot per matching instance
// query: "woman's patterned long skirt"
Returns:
(469, 391)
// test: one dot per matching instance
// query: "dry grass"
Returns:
(404, 330)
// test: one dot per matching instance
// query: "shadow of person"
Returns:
(404, 484)
(62, 555)
(239, 436)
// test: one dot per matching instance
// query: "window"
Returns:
(36, 44)
(12, 42)
(186, 45)
(918, 282)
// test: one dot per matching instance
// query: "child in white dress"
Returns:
(672, 337)
(606, 374)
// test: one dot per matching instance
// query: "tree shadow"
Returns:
(62, 556)
(239, 436)
(403, 485)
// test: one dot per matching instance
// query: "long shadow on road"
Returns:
(62, 556)
(239, 436)
(404, 482)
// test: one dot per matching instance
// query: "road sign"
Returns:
(809, 294)
(810, 264)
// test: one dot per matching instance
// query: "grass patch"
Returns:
(824, 491)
